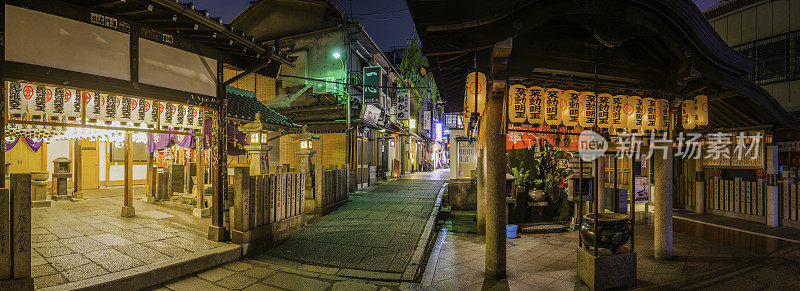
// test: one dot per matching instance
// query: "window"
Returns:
(777, 58)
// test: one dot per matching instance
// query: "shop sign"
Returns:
(426, 120)
(372, 81)
(371, 114)
(438, 131)
(403, 104)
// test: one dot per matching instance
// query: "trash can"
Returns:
(511, 230)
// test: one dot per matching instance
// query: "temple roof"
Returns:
(242, 104)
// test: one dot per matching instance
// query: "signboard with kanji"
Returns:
(403, 104)
(372, 83)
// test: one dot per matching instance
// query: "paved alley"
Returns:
(378, 231)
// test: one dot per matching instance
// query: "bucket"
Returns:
(511, 230)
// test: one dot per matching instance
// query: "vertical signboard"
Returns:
(372, 82)
(426, 120)
(403, 104)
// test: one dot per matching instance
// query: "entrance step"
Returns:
(157, 273)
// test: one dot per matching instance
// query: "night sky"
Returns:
(388, 22)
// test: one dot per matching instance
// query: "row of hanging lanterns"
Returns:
(571, 108)
(694, 112)
(53, 133)
(55, 104)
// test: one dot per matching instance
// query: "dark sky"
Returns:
(388, 22)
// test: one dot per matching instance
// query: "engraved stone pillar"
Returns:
(662, 224)
(773, 200)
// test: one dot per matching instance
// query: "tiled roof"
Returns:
(242, 104)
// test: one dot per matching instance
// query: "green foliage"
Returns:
(409, 66)
(543, 169)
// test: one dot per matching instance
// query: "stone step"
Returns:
(157, 273)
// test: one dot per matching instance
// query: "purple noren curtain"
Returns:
(10, 145)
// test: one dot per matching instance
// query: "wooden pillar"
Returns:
(200, 209)
(127, 205)
(77, 165)
(219, 162)
(481, 192)
(494, 141)
(150, 195)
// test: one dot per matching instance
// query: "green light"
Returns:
(337, 55)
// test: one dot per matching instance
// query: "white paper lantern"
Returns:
(109, 110)
(588, 109)
(37, 108)
(164, 114)
(570, 107)
(197, 123)
(54, 103)
(93, 104)
(534, 106)
(17, 103)
(552, 115)
(475, 94)
(180, 116)
(688, 115)
(635, 110)
(150, 116)
(191, 115)
(72, 105)
(701, 103)
(124, 110)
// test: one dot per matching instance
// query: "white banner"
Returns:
(403, 104)
(426, 120)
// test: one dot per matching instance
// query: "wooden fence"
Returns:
(331, 189)
(268, 206)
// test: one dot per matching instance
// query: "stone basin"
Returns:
(39, 176)
(613, 228)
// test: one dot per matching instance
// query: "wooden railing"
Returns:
(266, 205)
(331, 189)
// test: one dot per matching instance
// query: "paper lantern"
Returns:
(687, 114)
(150, 114)
(588, 109)
(475, 94)
(604, 110)
(124, 111)
(650, 114)
(54, 103)
(534, 106)
(37, 108)
(570, 107)
(191, 115)
(108, 112)
(619, 118)
(93, 104)
(701, 103)
(137, 114)
(180, 116)
(517, 95)
(165, 115)
(552, 113)
(197, 123)
(17, 103)
(72, 104)
(635, 112)
(662, 117)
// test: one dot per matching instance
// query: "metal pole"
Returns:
(580, 201)
(633, 198)
(596, 208)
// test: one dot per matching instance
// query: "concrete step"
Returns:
(154, 274)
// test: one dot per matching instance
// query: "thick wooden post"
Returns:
(319, 188)
(150, 195)
(494, 140)
(200, 209)
(219, 162)
(77, 164)
(127, 206)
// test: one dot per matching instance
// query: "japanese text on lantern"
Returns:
(552, 114)
(516, 103)
(535, 102)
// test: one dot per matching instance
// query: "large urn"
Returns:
(613, 231)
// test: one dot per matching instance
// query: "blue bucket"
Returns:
(511, 230)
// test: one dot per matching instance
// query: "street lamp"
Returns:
(336, 54)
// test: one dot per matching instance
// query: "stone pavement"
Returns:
(378, 231)
(74, 241)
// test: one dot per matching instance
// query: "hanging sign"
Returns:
(687, 114)
(662, 117)
(372, 79)
(535, 105)
(634, 112)
(570, 107)
(371, 113)
(426, 120)
(588, 112)
(701, 103)
(404, 104)
(619, 119)
(72, 104)
(552, 114)
(36, 109)
(17, 103)
(604, 110)
(517, 95)
(475, 91)
(650, 115)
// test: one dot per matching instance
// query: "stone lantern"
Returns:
(305, 152)
(257, 147)
(61, 172)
